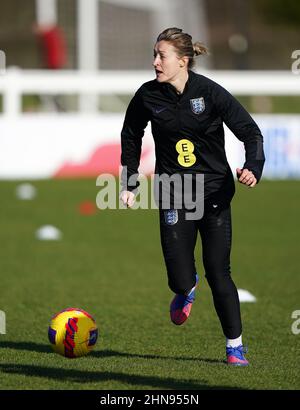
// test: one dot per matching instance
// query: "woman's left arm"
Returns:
(240, 122)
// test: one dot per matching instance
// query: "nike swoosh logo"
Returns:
(159, 110)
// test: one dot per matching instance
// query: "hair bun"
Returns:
(199, 48)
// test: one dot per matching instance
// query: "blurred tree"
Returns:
(285, 12)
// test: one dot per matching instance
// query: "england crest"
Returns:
(171, 216)
(197, 105)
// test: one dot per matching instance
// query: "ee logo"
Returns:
(185, 149)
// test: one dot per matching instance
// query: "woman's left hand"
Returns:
(246, 177)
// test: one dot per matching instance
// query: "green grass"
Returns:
(111, 265)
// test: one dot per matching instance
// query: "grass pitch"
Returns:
(111, 265)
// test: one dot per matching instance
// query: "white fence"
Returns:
(42, 145)
(16, 82)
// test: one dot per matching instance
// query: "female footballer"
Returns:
(187, 112)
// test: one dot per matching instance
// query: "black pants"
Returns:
(178, 240)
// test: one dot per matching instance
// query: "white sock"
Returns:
(234, 342)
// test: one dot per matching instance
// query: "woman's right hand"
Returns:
(128, 198)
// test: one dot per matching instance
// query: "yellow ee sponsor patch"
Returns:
(185, 149)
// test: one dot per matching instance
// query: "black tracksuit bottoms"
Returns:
(178, 240)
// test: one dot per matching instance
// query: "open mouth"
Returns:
(158, 72)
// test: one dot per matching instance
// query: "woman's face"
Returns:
(166, 62)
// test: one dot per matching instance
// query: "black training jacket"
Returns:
(188, 133)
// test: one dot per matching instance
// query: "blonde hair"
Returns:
(183, 44)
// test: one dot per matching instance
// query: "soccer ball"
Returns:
(72, 333)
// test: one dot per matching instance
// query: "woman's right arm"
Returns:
(135, 122)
